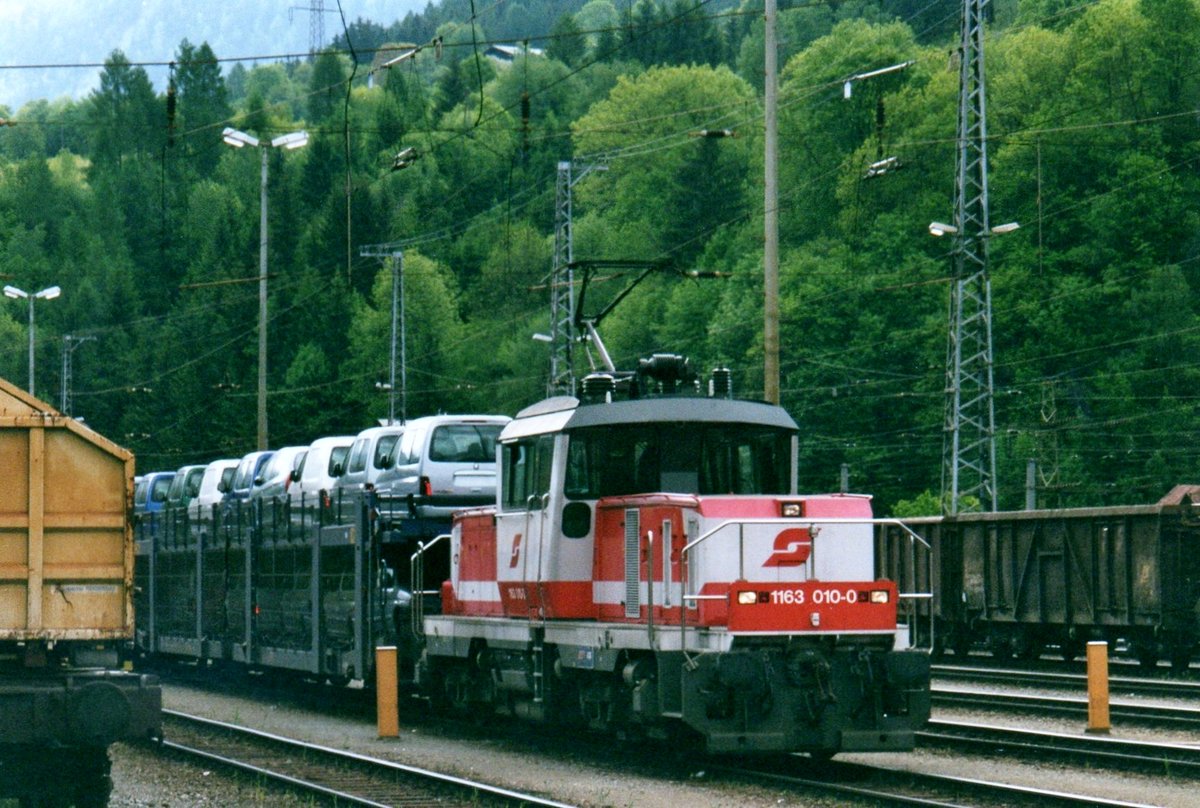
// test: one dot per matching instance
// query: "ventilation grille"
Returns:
(633, 599)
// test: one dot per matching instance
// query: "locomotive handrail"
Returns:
(416, 572)
(684, 577)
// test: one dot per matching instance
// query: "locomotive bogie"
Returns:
(824, 695)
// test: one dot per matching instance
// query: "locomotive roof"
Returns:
(566, 412)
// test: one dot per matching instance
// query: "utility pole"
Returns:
(290, 141)
(70, 343)
(396, 261)
(770, 212)
(969, 448)
(562, 282)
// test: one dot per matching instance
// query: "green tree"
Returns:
(567, 44)
(431, 325)
(327, 88)
(666, 199)
(125, 117)
(202, 104)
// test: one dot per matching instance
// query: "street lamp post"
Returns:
(238, 139)
(49, 293)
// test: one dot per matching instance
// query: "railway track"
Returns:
(1096, 752)
(330, 775)
(1149, 715)
(1077, 682)
(881, 785)
(1128, 707)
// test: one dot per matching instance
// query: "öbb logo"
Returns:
(792, 548)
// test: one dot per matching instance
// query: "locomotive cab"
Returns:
(648, 565)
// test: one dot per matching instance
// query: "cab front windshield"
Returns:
(682, 458)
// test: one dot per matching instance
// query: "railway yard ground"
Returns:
(579, 773)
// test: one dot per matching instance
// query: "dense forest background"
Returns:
(130, 202)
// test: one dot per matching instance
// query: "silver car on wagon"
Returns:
(445, 463)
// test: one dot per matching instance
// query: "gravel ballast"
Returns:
(551, 770)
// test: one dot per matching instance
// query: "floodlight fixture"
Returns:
(846, 86)
(292, 140)
(881, 167)
(939, 229)
(49, 293)
(237, 138)
(1007, 227)
(404, 158)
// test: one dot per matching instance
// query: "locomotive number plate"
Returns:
(815, 606)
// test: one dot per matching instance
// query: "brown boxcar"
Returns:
(1020, 581)
(66, 606)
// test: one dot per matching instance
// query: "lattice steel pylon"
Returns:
(563, 334)
(562, 300)
(969, 449)
(316, 26)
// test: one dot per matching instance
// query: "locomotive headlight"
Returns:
(879, 596)
(792, 510)
(747, 598)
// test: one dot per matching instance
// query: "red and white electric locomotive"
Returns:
(649, 566)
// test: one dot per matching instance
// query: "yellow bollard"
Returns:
(387, 709)
(1097, 676)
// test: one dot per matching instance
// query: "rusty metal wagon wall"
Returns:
(1017, 582)
(66, 553)
(66, 606)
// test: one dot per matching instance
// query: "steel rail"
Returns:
(1140, 685)
(1155, 714)
(907, 787)
(1115, 753)
(331, 772)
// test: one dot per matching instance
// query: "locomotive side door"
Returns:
(522, 523)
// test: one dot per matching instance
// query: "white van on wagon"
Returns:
(373, 451)
(445, 463)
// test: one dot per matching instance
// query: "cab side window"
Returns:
(525, 472)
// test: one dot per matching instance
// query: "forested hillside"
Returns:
(150, 224)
